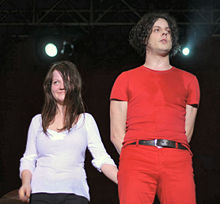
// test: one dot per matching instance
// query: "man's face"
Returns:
(160, 38)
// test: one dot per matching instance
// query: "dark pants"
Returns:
(57, 198)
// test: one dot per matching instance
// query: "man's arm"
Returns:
(118, 116)
(191, 112)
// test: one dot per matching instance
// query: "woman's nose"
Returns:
(62, 86)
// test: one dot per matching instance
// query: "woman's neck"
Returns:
(61, 110)
(59, 119)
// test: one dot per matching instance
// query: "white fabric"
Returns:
(56, 160)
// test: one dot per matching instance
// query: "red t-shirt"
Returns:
(156, 102)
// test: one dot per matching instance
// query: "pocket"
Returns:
(123, 150)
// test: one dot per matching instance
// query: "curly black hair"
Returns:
(140, 33)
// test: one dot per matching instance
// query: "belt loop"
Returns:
(124, 144)
(137, 142)
(188, 148)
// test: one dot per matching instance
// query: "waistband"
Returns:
(160, 143)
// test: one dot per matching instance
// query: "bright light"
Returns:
(186, 51)
(51, 50)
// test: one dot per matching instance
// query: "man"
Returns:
(152, 111)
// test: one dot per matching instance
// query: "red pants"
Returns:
(147, 170)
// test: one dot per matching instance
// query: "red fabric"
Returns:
(156, 102)
(147, 170)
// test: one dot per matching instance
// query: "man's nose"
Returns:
(165, 33)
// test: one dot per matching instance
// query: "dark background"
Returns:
(99, 32)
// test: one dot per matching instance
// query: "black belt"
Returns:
(160, 143)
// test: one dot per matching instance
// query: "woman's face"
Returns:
(57, 87)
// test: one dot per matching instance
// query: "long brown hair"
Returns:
(73, 100)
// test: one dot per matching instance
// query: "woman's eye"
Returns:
(55, 82)
(156, 29)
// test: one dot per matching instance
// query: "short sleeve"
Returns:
(28, 161)
(193, 92)
(120, 88)
(95, 145)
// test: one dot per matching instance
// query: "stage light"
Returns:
(185, 51)
(67, 49)
(51, 49)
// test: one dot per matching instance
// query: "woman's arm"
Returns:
(25, 189)
(110, 171)
(27, 162)
(101, 159)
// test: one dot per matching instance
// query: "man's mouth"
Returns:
(163, 41)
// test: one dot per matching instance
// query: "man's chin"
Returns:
(164, 53)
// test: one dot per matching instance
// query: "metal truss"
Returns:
(88, 14)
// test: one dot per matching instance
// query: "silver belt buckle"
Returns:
(155, 143)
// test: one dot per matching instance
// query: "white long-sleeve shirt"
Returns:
(56, 160)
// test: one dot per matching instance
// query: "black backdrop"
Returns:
(100, 59)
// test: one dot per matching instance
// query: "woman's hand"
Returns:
(25, 190)
(110, 171)
(24, 193)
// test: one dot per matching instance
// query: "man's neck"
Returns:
(157, 62)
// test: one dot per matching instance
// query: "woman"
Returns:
(52, 167)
